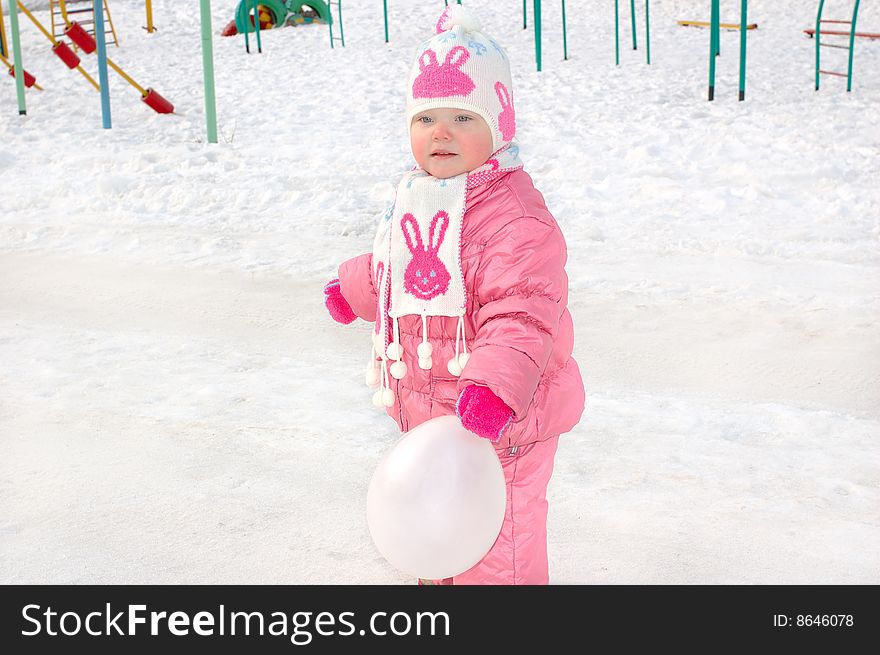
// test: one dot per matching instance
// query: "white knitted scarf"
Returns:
(417, 266)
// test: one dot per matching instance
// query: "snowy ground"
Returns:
(175, 405)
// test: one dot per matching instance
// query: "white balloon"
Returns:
(436, 501)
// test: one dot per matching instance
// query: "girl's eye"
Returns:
(424, 120)
(463, 118)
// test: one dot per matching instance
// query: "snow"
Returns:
(177, 407)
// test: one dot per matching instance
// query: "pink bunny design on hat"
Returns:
(506, 118)
(425, 276)
(441, 80)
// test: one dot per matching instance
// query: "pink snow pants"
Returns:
(519, 554)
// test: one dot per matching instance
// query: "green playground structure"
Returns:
(279, 11)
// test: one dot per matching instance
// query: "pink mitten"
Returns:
(482, 412)
(336, 304)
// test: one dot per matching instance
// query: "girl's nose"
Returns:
(441, 131)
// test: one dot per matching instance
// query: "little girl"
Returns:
(467, 286)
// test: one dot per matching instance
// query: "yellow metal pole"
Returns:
(150, 27)
(53, 41)
(125, 77)
(3, 45)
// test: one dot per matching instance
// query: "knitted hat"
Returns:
(462, 68)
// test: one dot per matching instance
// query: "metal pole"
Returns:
(385, 9)
(852, 38)
(525, 24)
(103, 80)
(341, 28)
(257, 26)
(538, 34)
(712, 49)
(16, 59)
(648, 31)
(150, 28)
(564, 34)
(818, 23)
(742, 49)
(632, 13)
(247, 12)
(616, 35)
(208, 71)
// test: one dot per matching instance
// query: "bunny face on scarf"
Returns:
(462, 68)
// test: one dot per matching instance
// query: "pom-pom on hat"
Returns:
(460, 67)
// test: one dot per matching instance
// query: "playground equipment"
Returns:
(275, 13)
(632, 13)
(60, 48)
(150, 97)
(29, 80)
(715, 47)
(852, 37)
(65, 12)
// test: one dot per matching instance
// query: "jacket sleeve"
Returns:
(521, 291)
(356, 285)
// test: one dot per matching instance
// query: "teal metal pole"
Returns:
(648, 30)
(525, 23)
(385, 10)
(247, 12)
(632, 13)
(712, 49)
(716, 30)
(818, 23)
(208, 71)
(742, 49)
(564, 34)
(17, 60)
(538, 34)
(341, 28)
(103, 78)
(852, 38)
(616, 35)
(257, 26)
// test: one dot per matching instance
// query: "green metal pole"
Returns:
(525, 23)
(16, 51)
(564, 34)
(818, 23)
(616, 35)
(208, 71)
(247, 12)
(341, 28)
(385, 10)
(632, 13)
(257, 26)
(852, 38)
(712, 49)
(716, 30)
(742, 49)
(538, 34)
(648, 30)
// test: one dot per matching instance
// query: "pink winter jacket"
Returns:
(518, 329)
